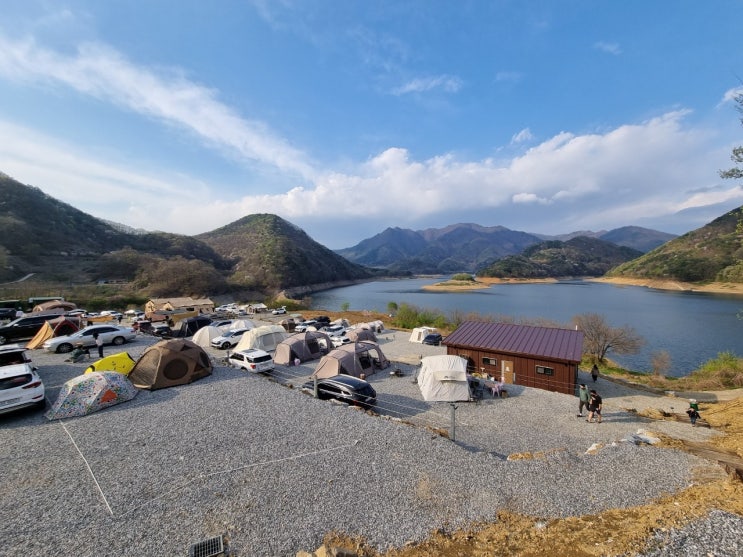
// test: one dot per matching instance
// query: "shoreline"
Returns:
(730, 288)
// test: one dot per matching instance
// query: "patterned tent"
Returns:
(91, 392)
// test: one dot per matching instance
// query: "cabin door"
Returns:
(507, 373)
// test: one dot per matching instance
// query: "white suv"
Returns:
(252, 359)
(20, 385)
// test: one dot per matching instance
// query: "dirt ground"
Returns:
(612, 533)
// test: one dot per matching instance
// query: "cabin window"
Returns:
(545, 370)
(489, 361)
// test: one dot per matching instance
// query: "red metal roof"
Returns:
(546, 342)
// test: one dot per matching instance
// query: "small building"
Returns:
(542, 357)
(200, 305)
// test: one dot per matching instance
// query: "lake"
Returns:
(692, 327)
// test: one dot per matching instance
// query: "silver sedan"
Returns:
(111, 334)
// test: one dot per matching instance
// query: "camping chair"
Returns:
(477, 391)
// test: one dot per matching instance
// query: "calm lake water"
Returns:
(691, 327)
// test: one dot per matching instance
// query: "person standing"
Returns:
(99, 344)
(693, 411)
(583, 399)
(595, 372)
(594, 407)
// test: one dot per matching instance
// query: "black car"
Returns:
(433, 339)
(345, 388)
(25, 327)
(323, 320)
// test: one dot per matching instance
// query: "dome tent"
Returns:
(91, 392)
(169, 363)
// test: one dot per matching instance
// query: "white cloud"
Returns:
(166, 95)
(732, 94)
(523, 136)
(609, 48)
(447, 83)
(642, 171)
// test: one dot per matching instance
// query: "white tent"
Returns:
(204, 336)
(443, 379)
(265, 337)
(419, 333)
(242, 324)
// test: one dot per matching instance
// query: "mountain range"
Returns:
(264, 254)
(470, 247)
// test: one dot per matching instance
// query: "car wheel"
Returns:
(118, 341)
(64, 348)
(225, 345)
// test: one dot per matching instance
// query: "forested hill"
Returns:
(711, 253)
(578, 257)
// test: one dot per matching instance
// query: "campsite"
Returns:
(272, 471)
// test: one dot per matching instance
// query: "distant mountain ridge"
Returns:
(467, 246)
(581, 256)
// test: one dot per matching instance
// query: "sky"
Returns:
(347, 117)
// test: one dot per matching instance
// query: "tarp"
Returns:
(308, 345)
(355, 359)
(45, 333)
(91, 392)
(205, 335)
(443, 379)
(120, 363)
(419, 333)
(265, 337)
(169, 363)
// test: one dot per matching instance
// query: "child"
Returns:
(693, 415)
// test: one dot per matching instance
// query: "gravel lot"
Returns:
(273, 469)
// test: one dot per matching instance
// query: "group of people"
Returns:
(591, 401)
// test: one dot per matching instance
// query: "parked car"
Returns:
(20, 385)
(304, 325)
(339, 341)
(279, 311)
(334, 330)
(433, 339)
(324, 320)
(111, 334)
(345, 388)
(228, 339)
(24, 327)
(252, 359)
(7, 313)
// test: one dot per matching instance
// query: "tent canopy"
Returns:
(169, 363)
(443, 379)
(419, 333)
(355, 358)
(265, 337)
(205, 335)
(91, 392)
(308, 345)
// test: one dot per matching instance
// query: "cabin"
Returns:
(199, 305)
(541, 357)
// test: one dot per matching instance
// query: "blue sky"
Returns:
(347, 117)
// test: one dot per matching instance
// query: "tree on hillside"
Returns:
(736, 173)
(600, 338)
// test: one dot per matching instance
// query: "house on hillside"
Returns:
(200, 305)
(542, 357)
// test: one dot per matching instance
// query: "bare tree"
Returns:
(660, 362)
(600, 338)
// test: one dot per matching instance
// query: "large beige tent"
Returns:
(265, 337)
(443, 379)
(56, 327)
(309, 345)
(355, 358)
(204, 336)
(361, 334)
(170, 362)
